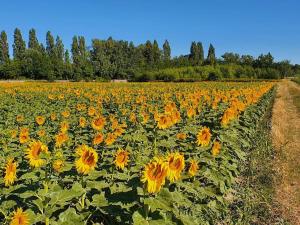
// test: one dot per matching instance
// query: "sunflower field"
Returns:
(124, 153)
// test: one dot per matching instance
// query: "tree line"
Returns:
(119, 59)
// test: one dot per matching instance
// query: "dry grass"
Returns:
(285, 136)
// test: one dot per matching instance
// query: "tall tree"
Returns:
(211, 56)
(50, 46)
(156, 53)
(148, 53)
(59, 49)
(75, 50)
(33, 41)
(19, 45)
(4, 49)
(200, 53)
(82, 47)
(166, 51)
(194, 53)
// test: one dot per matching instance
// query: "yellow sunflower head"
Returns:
(40, 120)
(41, 133)
(87, 160)
(64, 126)
(24, 135)
(82, 122)
(181, 136)
(98, 139)
(110, 139)
(20, 118)
(164, 121)
(154, 174)
(176, 165)
(58, 165)
(98, 123)
(53, 116)
(121, 159)
(216, 148)
(204, 136)
(193, 168)
(10, 172)
(34, 153)
(60, 139)
(20, 218)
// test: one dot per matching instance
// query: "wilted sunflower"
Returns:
(176, 165)
(193, 168)
(216, 148)
(98, 123)
(33, 153)
(40, 120)
(88, 159)
(19, 218)
(203, 137)
(121, 158)
(60, 139)
(10, 172)
(155, 174)
(98, 139)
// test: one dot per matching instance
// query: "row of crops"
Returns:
(109, 153)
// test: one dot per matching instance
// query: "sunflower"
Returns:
(110, 139)
(60, 139)
(10, 172)
(98, 139)
(40, 120)
(98, 123)
(193, 168)
(121, 158)
(20, 218)
(58, 165)
(20, 118)
(176, 165)
(24, 135)
(191, 112)
(88, 159)
(82, 122)
(119, 131)
(53, 116)
(64, 126)
(41, 133)
(181, 136)
(155, 174)
(33, 153)
(91, 111)
(216, 148)
(203, 137)
(65, 113)
(164, 121)
(13, 133)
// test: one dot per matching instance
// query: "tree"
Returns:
(166, 51)
(75, 50)
(50, 46)
(265, 61)
(247, 60)
(148, 53)
(19, 45)
(194, 53)
(59, 49)
(230, 57)
(200, 52)
(156, 53)
(4, 49)
(67, 66)
(211, 57)
(33, 41)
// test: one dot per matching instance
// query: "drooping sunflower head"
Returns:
(216, 148)
(82, 122)
(40, 120)
(10, 172)
(154, 174)
(34, 153)
(98, 123)
(20, 218)
(193, 168)
(204, 136)
(121, 158)
(176, 165)
(98, 139)
(87, 160)
(60, 139)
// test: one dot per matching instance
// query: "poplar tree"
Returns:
(33, 41)
(200, 52)
(167, 51)
(50, 46)
(4, 49)
(19, 45)
(211, 57)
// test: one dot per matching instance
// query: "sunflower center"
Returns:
(88, 158)
(36, 151)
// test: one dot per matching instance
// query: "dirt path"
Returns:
(286, 139)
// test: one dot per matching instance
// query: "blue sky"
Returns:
(242, 26)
